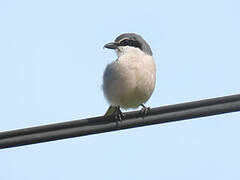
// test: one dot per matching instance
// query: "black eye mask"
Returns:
(128, 42)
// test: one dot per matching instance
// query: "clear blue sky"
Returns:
(51, 66)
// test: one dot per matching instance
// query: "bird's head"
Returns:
(129, 40)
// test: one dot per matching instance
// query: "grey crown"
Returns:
(144, 46)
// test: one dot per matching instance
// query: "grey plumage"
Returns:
(129, 81)
(144, 45)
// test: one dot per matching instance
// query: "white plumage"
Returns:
(129, 81)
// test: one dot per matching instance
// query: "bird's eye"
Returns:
(125, 42)
(128, 42)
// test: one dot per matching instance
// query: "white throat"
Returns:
(121, 50)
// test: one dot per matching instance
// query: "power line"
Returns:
(132, 119)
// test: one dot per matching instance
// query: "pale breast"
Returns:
(130, 80)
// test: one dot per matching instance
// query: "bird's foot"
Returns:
(145, 110)
(118, 115)
(115, 113)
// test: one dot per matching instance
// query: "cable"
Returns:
(132, 119)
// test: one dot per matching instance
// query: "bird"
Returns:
(129, 81)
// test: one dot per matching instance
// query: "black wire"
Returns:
(133, 119)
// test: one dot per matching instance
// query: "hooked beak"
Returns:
(111, 45)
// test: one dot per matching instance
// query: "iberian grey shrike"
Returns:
(129, 81)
